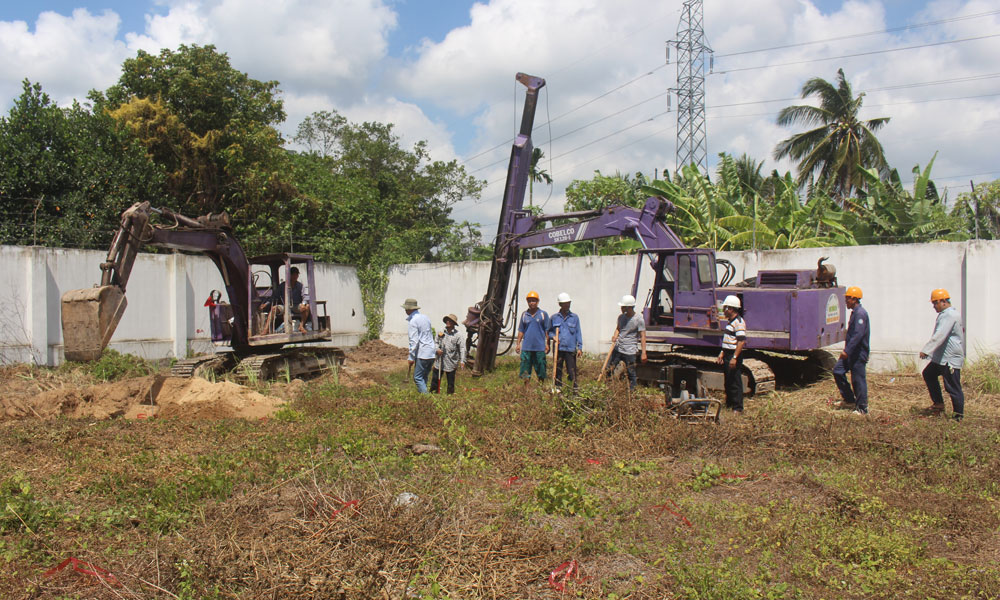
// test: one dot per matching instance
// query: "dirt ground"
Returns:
(369, 363)
(26, 392)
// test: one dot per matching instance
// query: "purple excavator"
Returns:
(257, 337)
(789, 312)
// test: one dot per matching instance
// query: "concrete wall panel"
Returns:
(896, 280)
(166, 294)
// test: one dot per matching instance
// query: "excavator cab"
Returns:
(306, 319)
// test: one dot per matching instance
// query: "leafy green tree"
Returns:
(699, 207)
(980, 210)
(368, 201)
(536, 174)
(231, 152)
(840, 146)
(888, 214)
(606, 190)
(66, 174)
(789, 223)
(320, 132)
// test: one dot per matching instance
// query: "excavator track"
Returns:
(760, 377)
(202, 365)
(290, 363)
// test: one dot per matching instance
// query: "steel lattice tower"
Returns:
(692, 143)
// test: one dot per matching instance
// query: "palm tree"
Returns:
(841, 146)
(536, 174)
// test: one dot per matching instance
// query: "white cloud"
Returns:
(307, 45)
(587, 48)
(459, 92)
(67, 55)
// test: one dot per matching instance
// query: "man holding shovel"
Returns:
(565, 330)
(629, 337)
(450, 355)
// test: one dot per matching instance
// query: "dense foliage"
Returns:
(185, 130)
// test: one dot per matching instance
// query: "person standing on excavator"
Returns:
(626, 340)
(532, 330)
(854, 357)
(946, 351)
(422, 348)
(731, 357)
(566, 329)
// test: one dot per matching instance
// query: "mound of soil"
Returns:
(376, 351)
(144, 397)
(369, 363)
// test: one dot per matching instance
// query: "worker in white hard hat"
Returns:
(629, 336)
(734, 340)
(567, 324)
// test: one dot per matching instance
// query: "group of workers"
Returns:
(944, 352)
(537, 333)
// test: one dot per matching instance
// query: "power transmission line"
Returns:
(508, 141)
(858, 35)
(856, 55)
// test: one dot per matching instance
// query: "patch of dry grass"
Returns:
(792, 500)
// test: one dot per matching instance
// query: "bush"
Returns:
(983, 375)
(114, 365)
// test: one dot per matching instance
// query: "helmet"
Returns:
(627, 300)
(532, 295)
(854, 292)
(940, 294)
(732, 301)
(564, 297)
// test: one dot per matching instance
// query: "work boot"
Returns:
(842, 405)
(933, 410)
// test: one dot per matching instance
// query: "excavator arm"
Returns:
(90, 316)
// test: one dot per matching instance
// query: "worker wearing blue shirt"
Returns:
(854, 358)
(946, 351)
(532, 339)
(422, 347)
(567, 324)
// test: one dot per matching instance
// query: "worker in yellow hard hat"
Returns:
(854, 357)
(533, 339)
(946, 351)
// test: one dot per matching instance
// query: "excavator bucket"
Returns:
(89, 318)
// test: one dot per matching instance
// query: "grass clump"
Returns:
(114, 366)
(983, 375)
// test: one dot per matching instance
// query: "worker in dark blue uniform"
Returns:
(854, 358)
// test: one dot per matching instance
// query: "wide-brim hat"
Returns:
(451, 318)
(411, 304)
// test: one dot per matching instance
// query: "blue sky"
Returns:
(443, 72)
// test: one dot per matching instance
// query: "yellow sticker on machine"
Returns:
(832, 310)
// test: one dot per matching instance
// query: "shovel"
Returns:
(607, 358)
(555, 361)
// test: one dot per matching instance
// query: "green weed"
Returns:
(113, 366)
(564, 494)
(709, 476)
(22, 511)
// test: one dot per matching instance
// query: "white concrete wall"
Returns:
(166, 294)
(896, 281)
